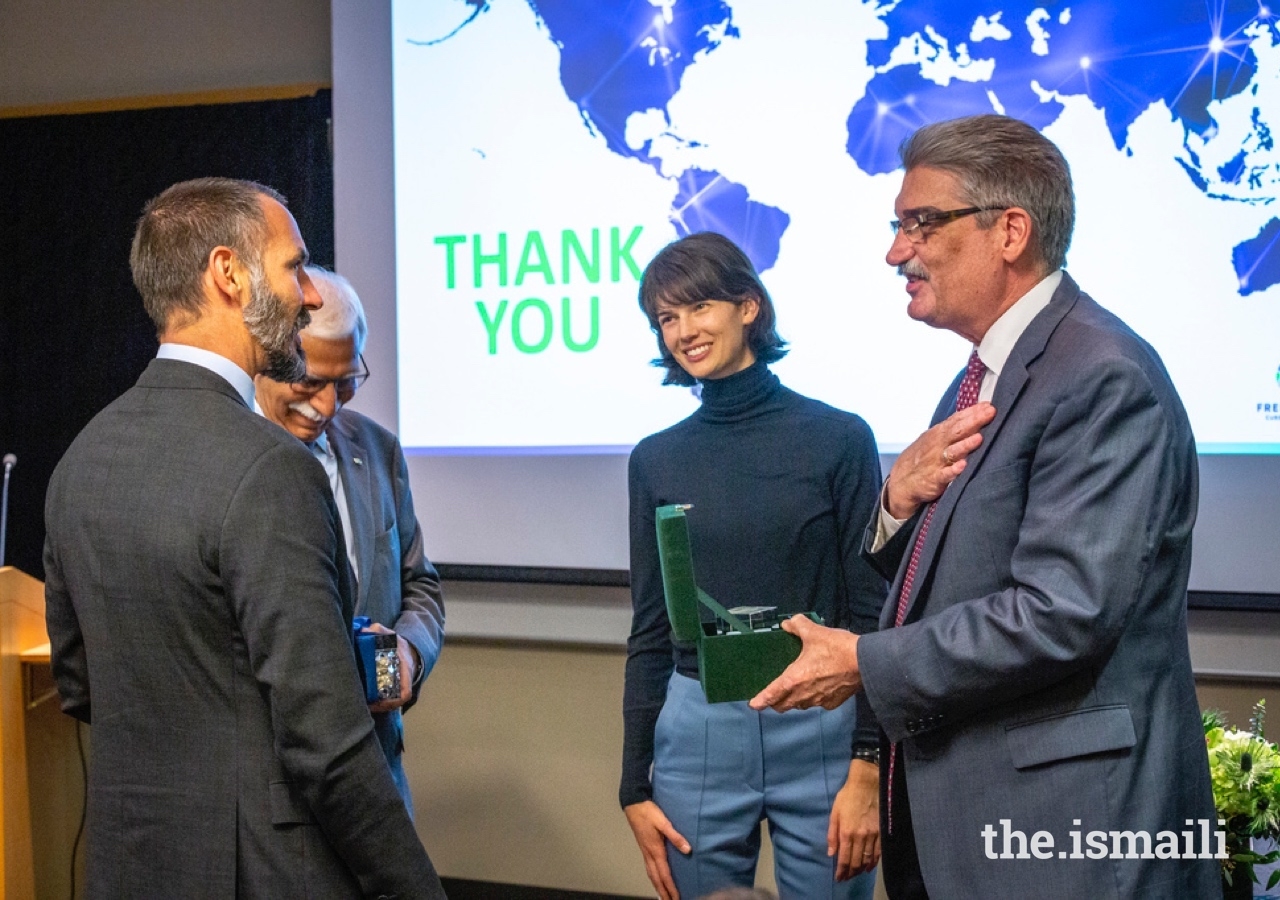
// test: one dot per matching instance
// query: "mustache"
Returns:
(306, 410)
(912, 269)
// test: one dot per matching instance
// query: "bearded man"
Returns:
(199, 599)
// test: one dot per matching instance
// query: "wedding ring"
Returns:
(946, 456)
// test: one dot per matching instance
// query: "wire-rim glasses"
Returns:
(913, 226)
(347, 385)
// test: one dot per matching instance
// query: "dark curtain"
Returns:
(73, 333)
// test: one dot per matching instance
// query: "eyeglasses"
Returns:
(913, 226)
(345, 387)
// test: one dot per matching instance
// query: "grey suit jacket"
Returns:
(1042, 675)
(199, 611)
(398, 586)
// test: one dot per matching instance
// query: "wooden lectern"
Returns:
(22, 630)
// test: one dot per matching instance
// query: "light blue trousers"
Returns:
(722, 768)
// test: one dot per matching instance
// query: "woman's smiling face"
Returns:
(709, 338)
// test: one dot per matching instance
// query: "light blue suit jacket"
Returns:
(1043, 675)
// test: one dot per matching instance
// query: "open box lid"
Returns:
(675, 556)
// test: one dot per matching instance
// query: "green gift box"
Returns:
(742, 649)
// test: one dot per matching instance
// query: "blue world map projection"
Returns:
(545, 150)
(939, 61)
(1109, 52)
(619, 59)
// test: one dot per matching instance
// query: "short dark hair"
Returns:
(179, 229)
(707, 266)
(1003, 162)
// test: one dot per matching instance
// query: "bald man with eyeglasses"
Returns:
(398, 588)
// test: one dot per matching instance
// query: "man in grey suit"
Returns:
(199, 601)
(1031, 673)
(399, 589)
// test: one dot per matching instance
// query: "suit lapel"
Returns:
(1009, 387)
(353, 470)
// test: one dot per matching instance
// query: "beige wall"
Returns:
(1236, 699)
(514, 754)
(70, 51)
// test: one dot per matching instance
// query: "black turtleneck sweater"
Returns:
(782, 488)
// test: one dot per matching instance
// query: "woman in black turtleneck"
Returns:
(781, 487)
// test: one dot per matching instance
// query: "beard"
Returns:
(268, 320)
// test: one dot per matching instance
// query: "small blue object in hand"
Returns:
(377, 660)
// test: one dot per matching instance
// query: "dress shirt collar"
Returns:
(998, 342)
(237, 377)
(321, 444)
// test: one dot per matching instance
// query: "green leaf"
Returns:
(1213, 718)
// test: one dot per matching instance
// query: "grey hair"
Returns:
(342, 315)
(1003, 162)
(178, 230)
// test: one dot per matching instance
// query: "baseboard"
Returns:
(466, 889)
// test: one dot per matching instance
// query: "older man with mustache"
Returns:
(398, 588)
(1031, 671)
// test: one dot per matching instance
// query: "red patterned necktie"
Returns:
(965, 397)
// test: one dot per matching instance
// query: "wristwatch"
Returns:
(869, 754)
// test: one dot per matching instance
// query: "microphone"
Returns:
(10, 460)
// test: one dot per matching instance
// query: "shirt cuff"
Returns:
(886, 525)
(419, 670)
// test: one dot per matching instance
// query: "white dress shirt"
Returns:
(237, 377)
(324, 452)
